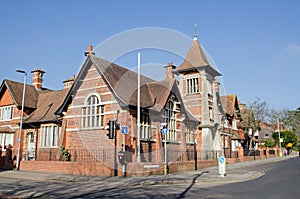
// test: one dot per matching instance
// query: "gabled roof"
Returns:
(230, 104)
(123, 85)
(47, 105)
(16, 91)
(195, 60)
(122, 80)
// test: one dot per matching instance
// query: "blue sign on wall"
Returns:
(165, 130)
(124, 130)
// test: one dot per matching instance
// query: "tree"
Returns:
(293, 120)
(253, 116)
(269, 143)
(288, 136)
(274, 115)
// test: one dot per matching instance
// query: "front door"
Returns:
(30, 147)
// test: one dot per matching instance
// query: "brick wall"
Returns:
(75, 168)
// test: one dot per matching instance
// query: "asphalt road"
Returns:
(281, 180)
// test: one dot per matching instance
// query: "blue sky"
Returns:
(255, 44)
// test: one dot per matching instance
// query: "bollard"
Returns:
(165, 169)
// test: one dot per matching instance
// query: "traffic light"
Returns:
(111, 129)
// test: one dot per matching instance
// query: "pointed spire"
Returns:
(195, 57)
(195, 34)
(195, 38)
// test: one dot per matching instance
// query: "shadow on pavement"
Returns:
(182, 195)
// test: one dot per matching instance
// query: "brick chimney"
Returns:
(89, 51)
(169, 71)
(69, 82)
(37, 78)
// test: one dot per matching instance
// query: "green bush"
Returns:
(269, 143)
(65, 155)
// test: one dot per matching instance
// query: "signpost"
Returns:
(222, 166)
(165, 132)
(124, 132)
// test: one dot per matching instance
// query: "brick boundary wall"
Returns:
(76, 168)
(137, 169)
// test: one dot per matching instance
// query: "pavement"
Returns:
(237, 172)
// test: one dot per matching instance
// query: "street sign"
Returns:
(124, 130)
(165, 130)
(222, 166)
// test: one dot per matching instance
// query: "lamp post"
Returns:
(278, 128)
(21, 118)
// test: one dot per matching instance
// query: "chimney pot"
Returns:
(69, 82)
(37, 78)
(169, 70)
(89, 51)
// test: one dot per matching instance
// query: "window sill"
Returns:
(92, 128)
(190, 143)
(48, 147)
(147, 140)
(172, 142)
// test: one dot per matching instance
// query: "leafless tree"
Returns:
(256, 113)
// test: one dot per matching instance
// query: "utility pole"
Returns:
(280, 152)
(21, 119)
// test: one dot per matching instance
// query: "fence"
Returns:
(107, 155)
(248, 152)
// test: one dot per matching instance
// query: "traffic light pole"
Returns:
(115, 150)
(115, 156)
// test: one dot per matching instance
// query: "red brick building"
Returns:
(233, 137)
(76, 117)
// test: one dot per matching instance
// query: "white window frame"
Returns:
(170, 119)
(192, 85)
(234, 124)
(6, 113)
(189, 135)
(6, 139)
(145, 126)
(92, 112)
(50, 134)
(209, 87)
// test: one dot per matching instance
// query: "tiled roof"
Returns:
(48, 103)
(16, 91)
(196, 59)
(229, 103)
(123, 83)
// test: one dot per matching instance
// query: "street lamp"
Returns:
(21, 119)
(278, 127)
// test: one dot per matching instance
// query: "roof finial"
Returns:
(89, 51)
(195, 29)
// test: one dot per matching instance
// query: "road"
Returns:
(280, 180)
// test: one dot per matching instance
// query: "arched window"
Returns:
(92, 113)
(170, 119)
